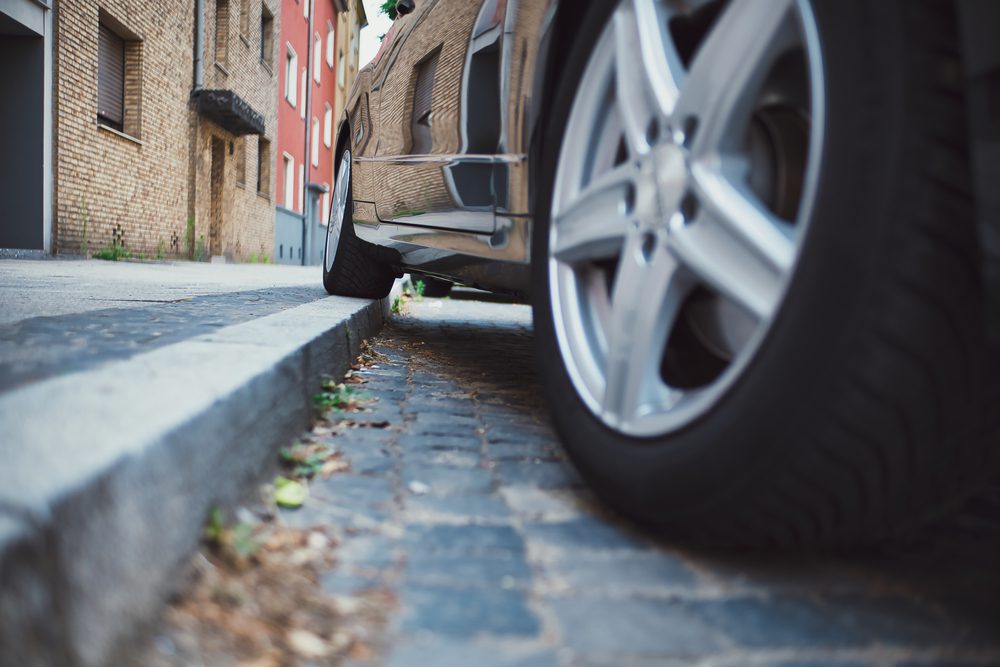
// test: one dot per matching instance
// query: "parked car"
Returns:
(748, 229)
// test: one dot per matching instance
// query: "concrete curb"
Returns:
(108, 474)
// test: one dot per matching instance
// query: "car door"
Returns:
(439, 116)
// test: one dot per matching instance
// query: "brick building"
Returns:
(307, 83)
(162, 140)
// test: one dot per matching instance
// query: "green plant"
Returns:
(388, 8)
(161, 250)
(200, 254)
(252, 258)
(418, 290)
(397, 305)
(264, 259)
(340, 397)
(212, 532)
(113, 253)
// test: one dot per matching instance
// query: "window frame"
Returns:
(327, 124)
(291, 74)
(288, 184)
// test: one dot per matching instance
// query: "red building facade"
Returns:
(307, 71)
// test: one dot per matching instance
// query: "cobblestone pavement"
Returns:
(465, 511)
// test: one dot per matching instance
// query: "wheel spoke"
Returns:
(647, 297)
(729, 68)
(647, 70)
(735, 245)
(593, 225)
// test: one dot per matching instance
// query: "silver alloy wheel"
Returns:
(665, 211)
(341, 193)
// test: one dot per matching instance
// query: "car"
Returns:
(755, 235)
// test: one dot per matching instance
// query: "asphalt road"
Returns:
(59, 316)
(462, 511)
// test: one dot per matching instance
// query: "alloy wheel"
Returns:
(341, 195)
(682, 195)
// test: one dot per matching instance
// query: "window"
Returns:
(119, 77)
(241, 161)
(305, 8)
(263, 166)
(329, 45)
(222, 31)
(317, 47)
(302, 81)
(341, 64)
(266, 35)
(291, 69)
(302, 186)
(110, 78)
(289, 182)
(324, 211)
(327, 125)
(314, 139)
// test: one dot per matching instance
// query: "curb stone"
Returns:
(108, 474)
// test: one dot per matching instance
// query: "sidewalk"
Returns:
(124, 388)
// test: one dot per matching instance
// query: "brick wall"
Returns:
(106, 179)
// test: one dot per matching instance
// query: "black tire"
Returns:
(354, 271)
(862, 411)
(434, 287)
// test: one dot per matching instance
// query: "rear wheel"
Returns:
(348, 267)
(762, 318)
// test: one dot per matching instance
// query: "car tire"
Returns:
(349, 268)
(860, 409)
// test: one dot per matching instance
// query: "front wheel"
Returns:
(348, 267)
(758, 306)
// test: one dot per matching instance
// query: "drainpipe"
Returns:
(307, 207)
(199, 44)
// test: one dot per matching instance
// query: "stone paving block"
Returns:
(539, 474)
(439, 442)
(446, 428)
(461, 458)
(777, 623)
(546, 505)
(468, 654)
(369, 496)
(516, 431)
(490, 571)
(466, 614)
(523, 451)
(636, 626)
(583, 533)
(447, 480)
(469, 539)
(623, 573)
(371, 549)
(459, 407)
(477, 508)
